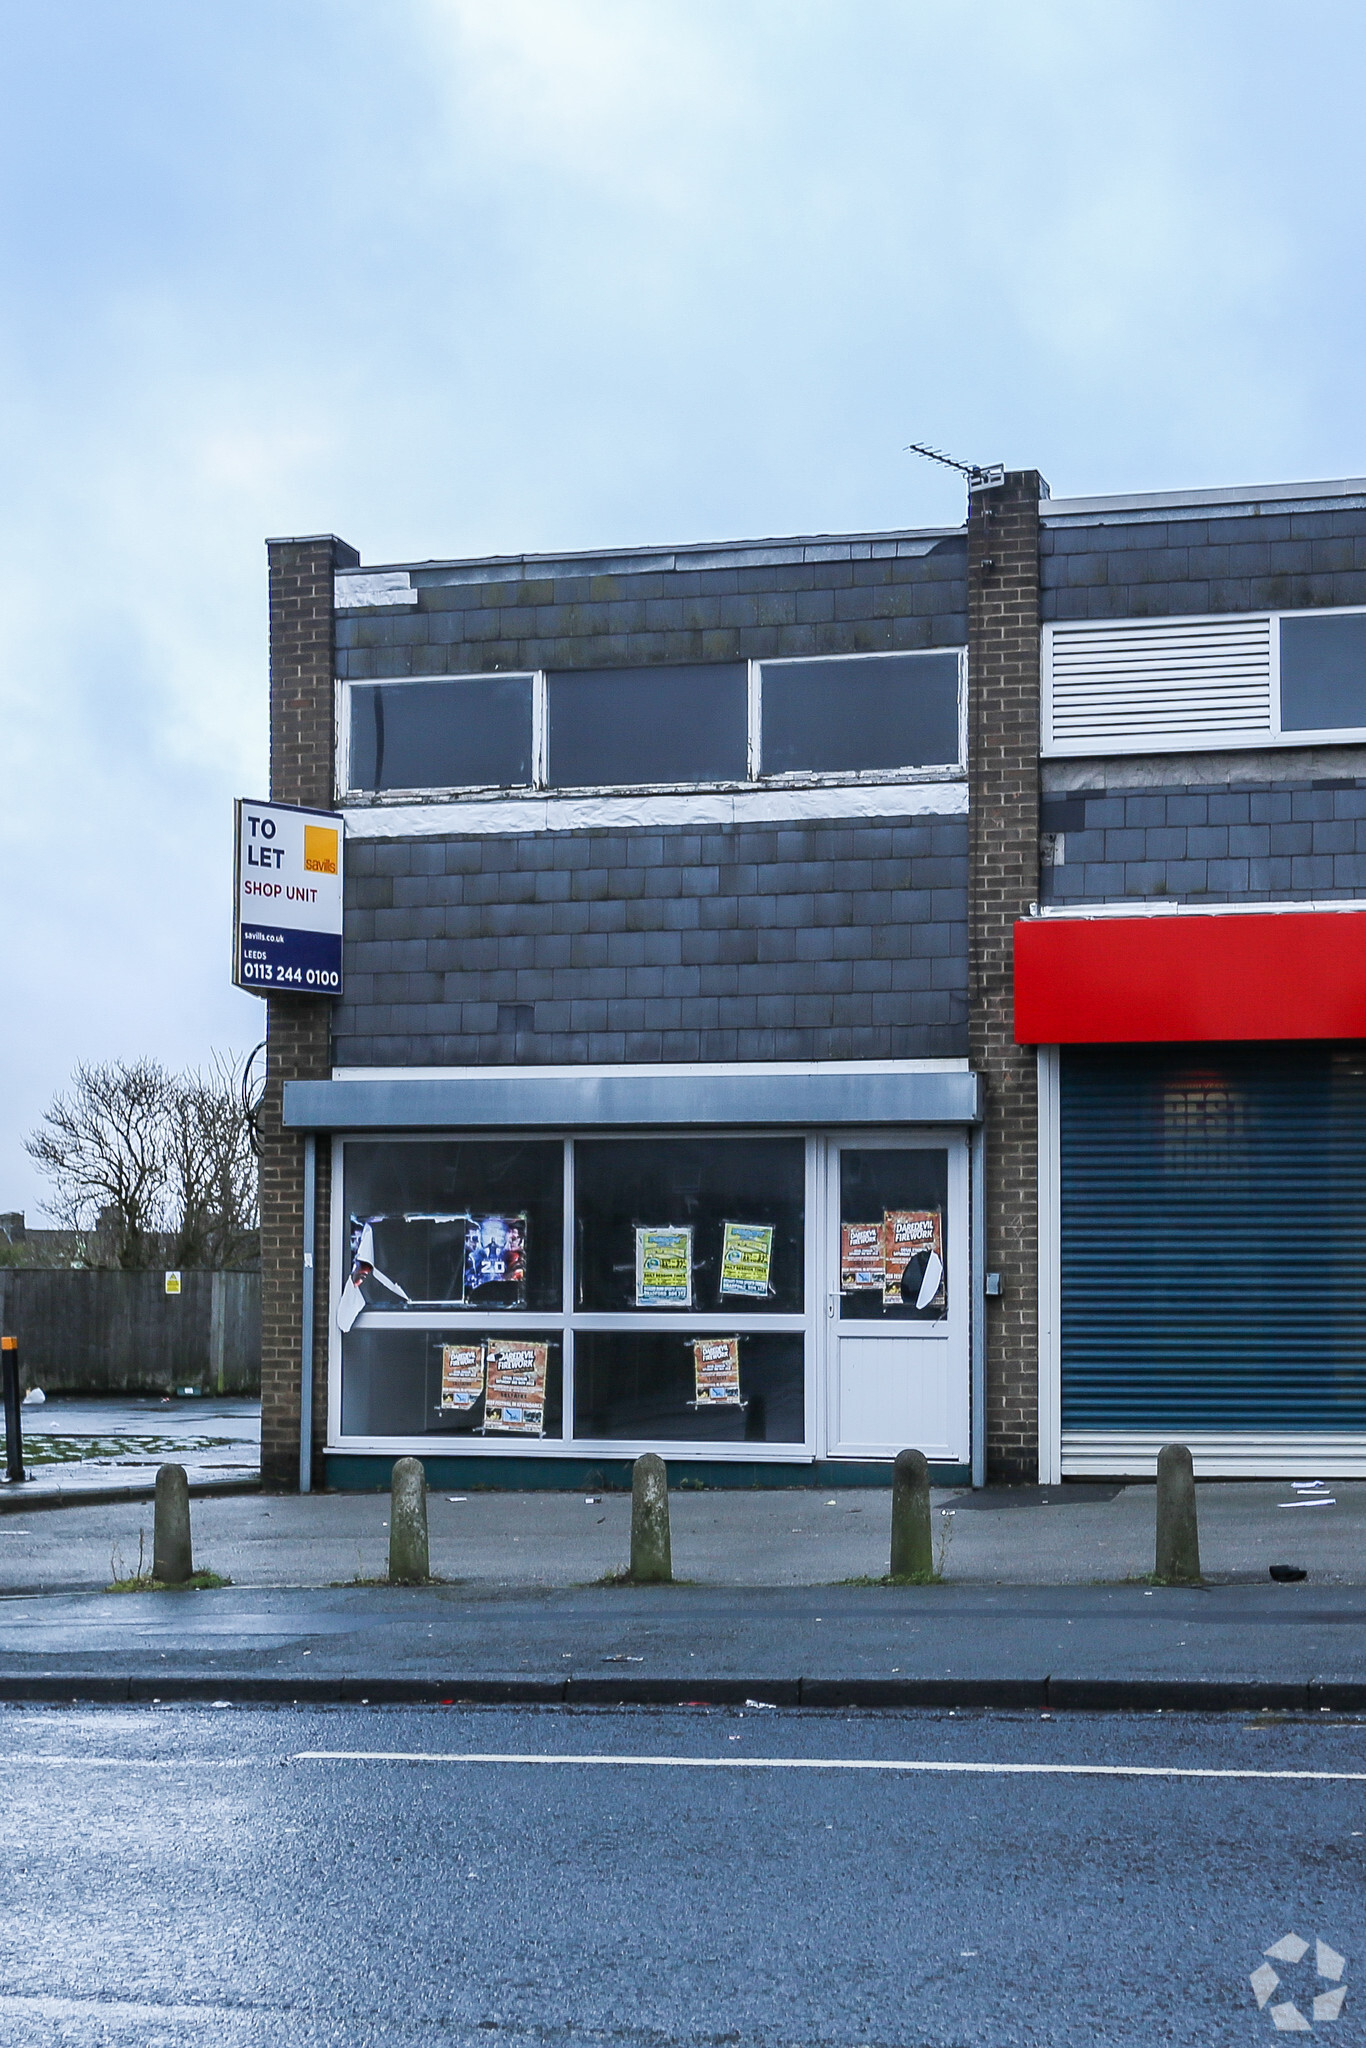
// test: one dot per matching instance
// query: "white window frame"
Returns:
(1275, 734)
(342, 739)
(932, 771)
(565, 1321)
(539, 786)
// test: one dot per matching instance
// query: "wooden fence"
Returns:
(111, 1332)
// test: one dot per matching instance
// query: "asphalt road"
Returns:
(244, 1877)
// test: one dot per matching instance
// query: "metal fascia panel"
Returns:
(605, 1102)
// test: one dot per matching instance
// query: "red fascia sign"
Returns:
(1177, 977)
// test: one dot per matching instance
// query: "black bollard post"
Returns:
(912, 1548)
(1178, 1536)
(14, 1428)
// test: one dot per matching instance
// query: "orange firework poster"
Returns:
(913, 1238)
(861, 1257)
(462, 1375)
(716, 1371)
(515, 1399)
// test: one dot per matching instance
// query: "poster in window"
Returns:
(462, 1376)
(746, 1258)
(664, 1266)
(716, 1372)
(861, 1259)
(913, 1254)
(514, 1400)
(495, 1254)
(363, 1269)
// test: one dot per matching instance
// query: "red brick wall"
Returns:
(298, 1030)
(1003, 755)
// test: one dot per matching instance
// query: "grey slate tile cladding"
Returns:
(867, 598)
(1255, 841)
(1271, 561)
(840, 940)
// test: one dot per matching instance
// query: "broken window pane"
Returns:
(644, 725)
(866, 711)
(470, 733)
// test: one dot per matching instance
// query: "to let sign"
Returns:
(287, 928)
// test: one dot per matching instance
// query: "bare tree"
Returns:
(161, 1165)
(212, 1173)
(103, 1149)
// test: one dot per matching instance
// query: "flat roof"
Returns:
(814, 547)
(1249, 499)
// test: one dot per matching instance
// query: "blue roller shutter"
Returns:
(1214, 1238)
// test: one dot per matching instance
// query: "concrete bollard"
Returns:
(408, 1560)
(912, 1548)
(1178, 1536)
(651, 1552)
(172, 1560)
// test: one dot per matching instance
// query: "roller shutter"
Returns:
(1213, 1222)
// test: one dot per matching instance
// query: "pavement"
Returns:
(395, 1877)
(1074, 1535)
(77, 1449)
(1043, 1603)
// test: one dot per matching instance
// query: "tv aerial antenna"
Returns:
(980, 476)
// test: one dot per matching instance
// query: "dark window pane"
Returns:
(633, 725)
(444, 1220)
(642, 1384)
(628, 1191)
(392, 1384)
(883, 711)
(467, 734)
(893, 1235)
(1323, 672)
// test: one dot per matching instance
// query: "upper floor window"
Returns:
(1229, 679)
(729, 723)
(460, 731)
(848, 715)
(1323, 671)
(647, 725)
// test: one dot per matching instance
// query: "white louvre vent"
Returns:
(1156, 685)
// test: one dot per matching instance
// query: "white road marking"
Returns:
(929, 1765)
(925, 1766)
(135, 1763)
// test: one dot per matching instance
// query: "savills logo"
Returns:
(320, 849)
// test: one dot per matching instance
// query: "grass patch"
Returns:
(338, 1584)
(622, 1577)
(911, 1579)
(198, 1582)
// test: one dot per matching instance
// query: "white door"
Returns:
(897, 1298)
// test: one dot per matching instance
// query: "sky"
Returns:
(458, 277)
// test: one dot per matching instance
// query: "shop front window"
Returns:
(682, 1316)
(466, 1225)
(714, 1224)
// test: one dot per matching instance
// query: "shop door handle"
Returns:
(830, 1305)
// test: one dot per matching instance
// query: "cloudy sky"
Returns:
(461, 276)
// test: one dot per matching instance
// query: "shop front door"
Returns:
(897, 1299)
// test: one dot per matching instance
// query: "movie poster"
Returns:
(913, 1258)
(664, 1266)
(514, 1400)
(716, 1372)
(746, 1258)
(495, 1255)
(462, 1376)
(861, 1257)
